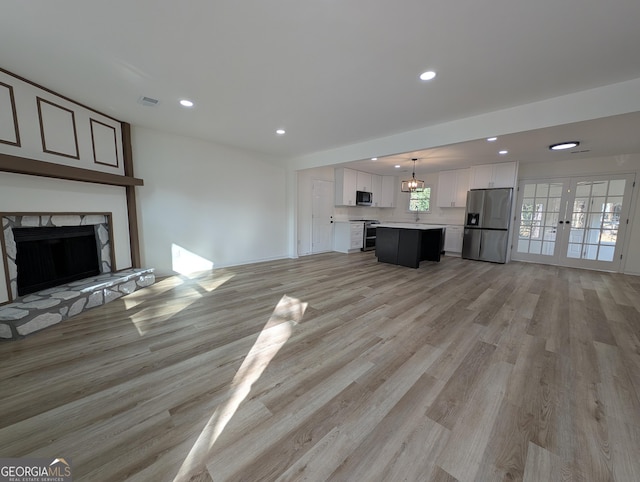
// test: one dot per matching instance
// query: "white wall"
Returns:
(22, 193)
(585, 167)
(224, 205)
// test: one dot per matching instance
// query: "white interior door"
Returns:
(578, 222)
(322, 216)
(541, 206)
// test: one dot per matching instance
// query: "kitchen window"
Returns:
(420, 201)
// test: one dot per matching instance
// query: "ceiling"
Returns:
(604, 137)
(332, 73)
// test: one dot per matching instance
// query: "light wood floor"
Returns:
(335, 367)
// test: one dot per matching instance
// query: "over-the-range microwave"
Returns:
(364, 198)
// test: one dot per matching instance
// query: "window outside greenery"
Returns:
(419, 201)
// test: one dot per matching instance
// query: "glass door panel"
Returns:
(576, 222)
(540, 204)
(596, 216)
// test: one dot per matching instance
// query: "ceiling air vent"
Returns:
(148, 101)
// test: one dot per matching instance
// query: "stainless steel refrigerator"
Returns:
(486, 230)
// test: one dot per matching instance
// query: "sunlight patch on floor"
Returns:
(188, 263)
(144, 319)
(140, 296)
(288, 313)
(212, 282)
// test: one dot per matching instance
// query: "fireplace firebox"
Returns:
(51, 256)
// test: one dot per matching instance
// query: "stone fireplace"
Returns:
(25, 314)
(63, 165)
(100, 222)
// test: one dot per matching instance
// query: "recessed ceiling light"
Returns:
(491, 139)
(374, 158)
(428, 75)
(397, 166)
(503, 152)
(564, 145)
(280, 132)
(186, 103)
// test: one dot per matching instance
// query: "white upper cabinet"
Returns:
(452, 188)
(388, 196)
(481, 176)
(348, 181)
(363, 182)
(504, 175)
(493, 175)
(345, 183)
(376, 189)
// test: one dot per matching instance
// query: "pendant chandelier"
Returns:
(413, 184)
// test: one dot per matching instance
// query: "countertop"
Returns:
(421, 226)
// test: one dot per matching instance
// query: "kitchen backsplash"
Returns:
(436, 216)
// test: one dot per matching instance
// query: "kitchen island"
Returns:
(407, 244)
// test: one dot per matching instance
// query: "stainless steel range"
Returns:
(369, 243)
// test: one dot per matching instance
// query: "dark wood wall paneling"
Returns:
(132, 209)
(43, 136)
(98, 125)
(12, 99)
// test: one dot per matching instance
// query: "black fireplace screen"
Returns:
(51, 256)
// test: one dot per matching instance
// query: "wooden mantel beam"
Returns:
(23, 165)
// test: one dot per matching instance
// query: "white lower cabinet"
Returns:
(348, 236)
(453, 239)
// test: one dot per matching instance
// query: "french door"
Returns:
(578, 222)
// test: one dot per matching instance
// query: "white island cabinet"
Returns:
(348, 236)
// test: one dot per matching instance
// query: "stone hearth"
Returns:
(39, 310)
